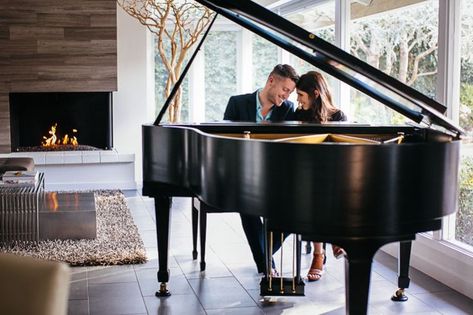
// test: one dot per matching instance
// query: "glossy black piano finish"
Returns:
(379, 190)
(357, 195)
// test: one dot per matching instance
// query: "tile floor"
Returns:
(230, 284)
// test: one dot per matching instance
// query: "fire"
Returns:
(55, 140)
(53, 201)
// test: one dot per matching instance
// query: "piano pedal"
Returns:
(290, 287)
(399, 296)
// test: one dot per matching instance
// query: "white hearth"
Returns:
(82, 170)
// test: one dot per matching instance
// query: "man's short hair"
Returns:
(285, 71)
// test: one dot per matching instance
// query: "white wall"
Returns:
(133, 102)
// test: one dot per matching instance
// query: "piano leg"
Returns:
(203, 236)
(162, 208)
(357, 275)
(403, 271)
(195, 219)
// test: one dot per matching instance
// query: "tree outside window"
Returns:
(265, 57)
(402, 43)
(220, 72)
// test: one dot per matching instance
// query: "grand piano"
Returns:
(357, 186)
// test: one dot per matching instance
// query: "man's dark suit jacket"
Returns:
(243, 108)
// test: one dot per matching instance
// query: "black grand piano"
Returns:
(356, 186)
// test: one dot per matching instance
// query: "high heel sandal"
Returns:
(317, 267)
(338, 252)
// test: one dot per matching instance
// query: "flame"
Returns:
(54, 140)
(53, 201)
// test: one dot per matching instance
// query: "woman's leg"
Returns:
(317, 265)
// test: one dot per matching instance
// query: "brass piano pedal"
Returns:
(163, 290)
(399, 296)
(290, 287)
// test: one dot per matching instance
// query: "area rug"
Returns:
(118, 241)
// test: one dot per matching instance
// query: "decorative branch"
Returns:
(177, 25)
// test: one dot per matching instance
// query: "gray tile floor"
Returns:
(230, 283)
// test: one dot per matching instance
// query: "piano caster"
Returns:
(202, 266)
(268, 300)
(194, 254)
(399, 296)
(163, 291)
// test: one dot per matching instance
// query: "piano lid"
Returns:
(336, 62)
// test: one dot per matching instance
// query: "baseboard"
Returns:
(444, 261)
(90, 186)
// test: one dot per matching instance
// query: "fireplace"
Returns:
(39, 118)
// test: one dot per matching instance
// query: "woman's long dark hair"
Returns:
(322, 106)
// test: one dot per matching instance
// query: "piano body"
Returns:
(357, 186)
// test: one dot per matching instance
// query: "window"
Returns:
(464, 216)
(265, 57)
(220, 72)
(400, 41)
(320, 20)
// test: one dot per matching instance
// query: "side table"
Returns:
(19, 212)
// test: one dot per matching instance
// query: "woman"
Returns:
(316, 105)
(315, 100)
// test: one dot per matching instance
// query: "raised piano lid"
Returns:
(336, 62)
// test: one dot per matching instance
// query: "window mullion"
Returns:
(342, 40)
(245, 61)
(448, 80)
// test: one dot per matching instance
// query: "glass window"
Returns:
(265, 57)
(464, 217)
(220, 72)
(399, 40)
(320, 20)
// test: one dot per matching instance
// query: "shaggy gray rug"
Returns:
(118, 241)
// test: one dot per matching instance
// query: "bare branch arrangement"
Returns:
(177, 26)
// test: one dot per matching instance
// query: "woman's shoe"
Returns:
(316, 268)
(338, 252)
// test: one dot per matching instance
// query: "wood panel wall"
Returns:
(55, 46)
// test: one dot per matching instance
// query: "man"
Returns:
(267, 104)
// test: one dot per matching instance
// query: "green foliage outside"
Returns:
(466, 106)
(265, 57)
(464, 216)
(220, 73)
